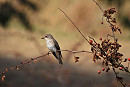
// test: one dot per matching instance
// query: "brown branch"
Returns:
(34, 59)
(74, 25)
(76, 51)
(23, 63)
(92, 39)
(107, 19)
(98, 6)
(112, 29)
(120, 79)
(114, 35)
(110, 20)
(109, 35)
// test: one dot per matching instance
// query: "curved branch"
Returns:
(98, 6)
(74, 25)
(35, 59)
(23, 63)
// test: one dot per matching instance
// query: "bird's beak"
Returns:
(43, 38)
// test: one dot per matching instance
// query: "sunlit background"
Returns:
(24, 22)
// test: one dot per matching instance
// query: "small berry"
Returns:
(107, 69)
(101, 22)
(118, 56)
(100, 38)
(120, 68)
(103, 69)
(100, 54)
(99, 72)
(129, 59)
(17, 68)
(104, 14)
(90, 41)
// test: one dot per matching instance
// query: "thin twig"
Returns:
(76, 51)
(92, 39)
(23, 63)
(112, 29)
(109, 35)
(106, 19)
(74, 25)
(98, 6)
(33, 59)
(118, 78)
(114, 35)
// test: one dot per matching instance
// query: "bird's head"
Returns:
(47, 36)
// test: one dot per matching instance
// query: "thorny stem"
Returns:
(117, 77)
(74, 25)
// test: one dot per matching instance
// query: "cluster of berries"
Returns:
(112, 21)
(108, 51)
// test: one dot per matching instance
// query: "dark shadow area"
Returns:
(33, 75)
(7, 11)
(48, 74)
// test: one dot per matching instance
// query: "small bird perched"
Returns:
(53, 46)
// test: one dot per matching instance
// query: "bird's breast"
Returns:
(51, 45)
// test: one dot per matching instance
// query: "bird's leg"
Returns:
(49, 52)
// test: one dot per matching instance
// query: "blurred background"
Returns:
(24, 22)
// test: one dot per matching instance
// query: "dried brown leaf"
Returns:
(76, 59)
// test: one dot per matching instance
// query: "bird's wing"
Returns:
(58, 52)
(57, 47)
(55, 55)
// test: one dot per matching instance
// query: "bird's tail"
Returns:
(60, 61)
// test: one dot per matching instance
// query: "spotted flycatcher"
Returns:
(53, 46)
